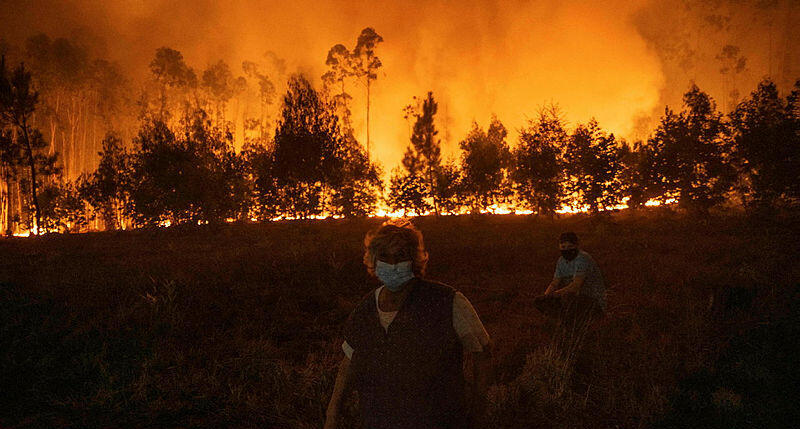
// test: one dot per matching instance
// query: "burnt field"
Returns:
(239, 325)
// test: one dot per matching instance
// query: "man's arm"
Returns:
(481, 371)
(340, 389)
(551, 287)
(574, 286)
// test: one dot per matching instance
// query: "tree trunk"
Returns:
(83, 148)
(73, 125)
(19, 204)
(5, 206)
(163, 101)
(434, 190)
(32, 164)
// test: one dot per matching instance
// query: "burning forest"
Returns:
(94, 139)
(347, 214)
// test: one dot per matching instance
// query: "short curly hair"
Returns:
(398, 240)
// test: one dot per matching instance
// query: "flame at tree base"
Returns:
(386, 212)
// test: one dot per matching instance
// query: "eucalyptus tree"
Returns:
(690, 156)
(537, 169)
(18, 101)
(593, 167)
(189, 174)
(765, 134)
(11, 158)
(484, 160)
(108, 189)
(367, 63)
(171, 73)
(220, 85)
(423, 156)
(341, 67)
(304, 154)
(266, 98)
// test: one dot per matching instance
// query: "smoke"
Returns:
(724, 46)
(617, 61)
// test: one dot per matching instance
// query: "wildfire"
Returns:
(655, 203)
(386, 212)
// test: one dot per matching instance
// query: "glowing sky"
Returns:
(602, 59)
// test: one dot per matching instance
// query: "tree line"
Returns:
(182, 164)
(696, 156)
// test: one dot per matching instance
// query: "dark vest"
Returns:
(412, 375)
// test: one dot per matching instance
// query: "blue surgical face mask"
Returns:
(394, 275)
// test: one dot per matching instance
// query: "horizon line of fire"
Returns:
(385, 212)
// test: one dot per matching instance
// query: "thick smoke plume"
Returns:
(617, 61)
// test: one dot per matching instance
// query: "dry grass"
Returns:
(240, 326)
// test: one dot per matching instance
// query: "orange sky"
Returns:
(479, 57)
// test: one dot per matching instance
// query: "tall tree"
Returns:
(220, 86)
(538, 166)
(306, 141)
(689, 153)
(636, 176)
(266, 97)
(188, 176)
(170, 72)
(449, 187)
(265, 193)
(484, 158)
(593, 167)
(766, 139)
(108, 188)
(367, 63)
(424, 156)
(17, 104)
(408, 192)
(357, 183)
(11, 158)
(732, 64)
(341, 67)
(70, 100)
(63, 208)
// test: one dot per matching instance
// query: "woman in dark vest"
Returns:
(405, 343)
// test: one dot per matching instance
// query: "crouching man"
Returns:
(405, 343)
(577, 288)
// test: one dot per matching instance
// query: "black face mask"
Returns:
(569, 254)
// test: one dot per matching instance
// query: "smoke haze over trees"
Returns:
(620, 62)
(235, 130)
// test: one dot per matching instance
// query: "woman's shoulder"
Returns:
(367, 299)
(436, 287)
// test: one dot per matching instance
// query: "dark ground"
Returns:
(238, 326)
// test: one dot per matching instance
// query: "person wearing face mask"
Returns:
(574, 301)
(404, 343)
(577, 279)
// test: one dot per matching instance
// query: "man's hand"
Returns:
(565, 292)
(331, 420)
(573, 287)
(551, 287)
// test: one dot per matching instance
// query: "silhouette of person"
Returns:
(405, 343)
(577, 283)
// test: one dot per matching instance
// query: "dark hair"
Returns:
(397, 239)
(568, 237)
